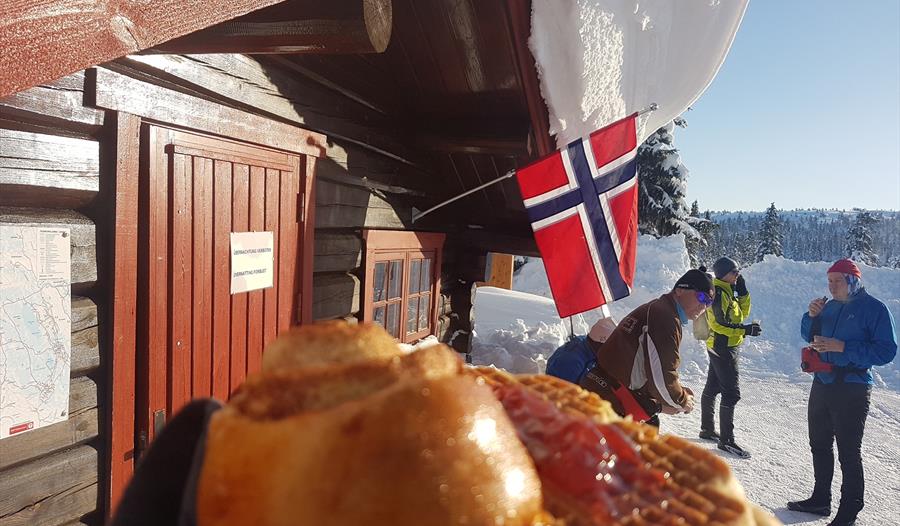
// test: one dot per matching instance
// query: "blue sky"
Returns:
(805, 111)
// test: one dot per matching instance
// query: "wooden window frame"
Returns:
(386, 245)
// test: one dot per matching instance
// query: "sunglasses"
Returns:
(704, 298)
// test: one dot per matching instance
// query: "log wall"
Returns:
(49, 176)
(51, 141)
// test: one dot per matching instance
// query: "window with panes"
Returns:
(401, 283)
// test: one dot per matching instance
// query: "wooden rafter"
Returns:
(297, 26)
(520, 21)
(43, 40)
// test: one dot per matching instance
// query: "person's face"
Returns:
(731, 277)
(690, 302)
(837, 286)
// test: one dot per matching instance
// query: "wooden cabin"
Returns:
(154, 130)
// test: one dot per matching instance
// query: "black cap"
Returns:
(696, 279)
(723, 266)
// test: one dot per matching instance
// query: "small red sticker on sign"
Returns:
(21, 427)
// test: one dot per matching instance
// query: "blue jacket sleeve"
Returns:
(880, 348)
(806, 327)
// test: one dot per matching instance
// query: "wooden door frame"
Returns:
(131, 103)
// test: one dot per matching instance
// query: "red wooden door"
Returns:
(195, 339)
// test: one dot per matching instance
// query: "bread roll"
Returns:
(410, 440)
(327, 343)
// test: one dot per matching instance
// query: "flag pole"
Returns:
(419, 215)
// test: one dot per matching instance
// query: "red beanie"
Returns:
(845, 266)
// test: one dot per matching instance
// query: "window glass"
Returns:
(378, 282)
(424, 310)
(393, 319)
(396, 278)
(414, 267)
(426, 275)
(411, 317)
(378, 316)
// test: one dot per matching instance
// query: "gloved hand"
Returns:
(752, 329)
(740, 286)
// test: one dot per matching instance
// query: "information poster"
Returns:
(252, 261)
(35, 327)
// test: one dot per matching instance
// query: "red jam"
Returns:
(591, 462)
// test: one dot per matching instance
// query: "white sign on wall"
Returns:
(252, 261)
(35, 327)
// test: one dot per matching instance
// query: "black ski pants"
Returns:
(721, 379)
(838, 411)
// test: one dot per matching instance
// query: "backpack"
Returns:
(572, 360)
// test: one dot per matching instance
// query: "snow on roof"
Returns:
(601, 60)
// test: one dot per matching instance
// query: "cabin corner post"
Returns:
(120, 203)
(307, 246)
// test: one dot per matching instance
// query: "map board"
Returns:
(35, 327)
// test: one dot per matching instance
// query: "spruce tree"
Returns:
(771, 236)
(698, 247)
(859, 239)
(662, 181)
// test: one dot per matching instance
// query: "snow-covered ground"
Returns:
(518, 330)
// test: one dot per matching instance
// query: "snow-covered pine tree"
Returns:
(662, 181)
(770, 235)
(859, 239)
(697, 246)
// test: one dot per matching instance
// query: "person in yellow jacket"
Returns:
(730, 308)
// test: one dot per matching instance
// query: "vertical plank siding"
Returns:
(222, 300)
(240, 222)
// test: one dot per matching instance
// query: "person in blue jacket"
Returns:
(852, 332)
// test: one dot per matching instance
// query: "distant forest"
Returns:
(806, 235)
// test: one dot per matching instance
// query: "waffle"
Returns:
(699, 488)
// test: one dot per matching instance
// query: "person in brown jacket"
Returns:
(637, 366)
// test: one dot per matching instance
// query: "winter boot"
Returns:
(815, 505)
(730, 446)
(847, 512)
(709, 435)
(726, 422)
(707, 418)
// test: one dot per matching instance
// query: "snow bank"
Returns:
(516, 330)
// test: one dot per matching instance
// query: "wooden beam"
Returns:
(43, 40)
(335, 296)
(504, 146)
(58, 104)
(23, 488)
(47, 170)
(519, 12)
(297, 26)
(121, 93)
(263, 87)
(337, 252)
(122, 202)
(80, 426)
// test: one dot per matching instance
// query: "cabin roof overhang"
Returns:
(456, 77)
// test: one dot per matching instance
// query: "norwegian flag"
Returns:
(582, 204)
